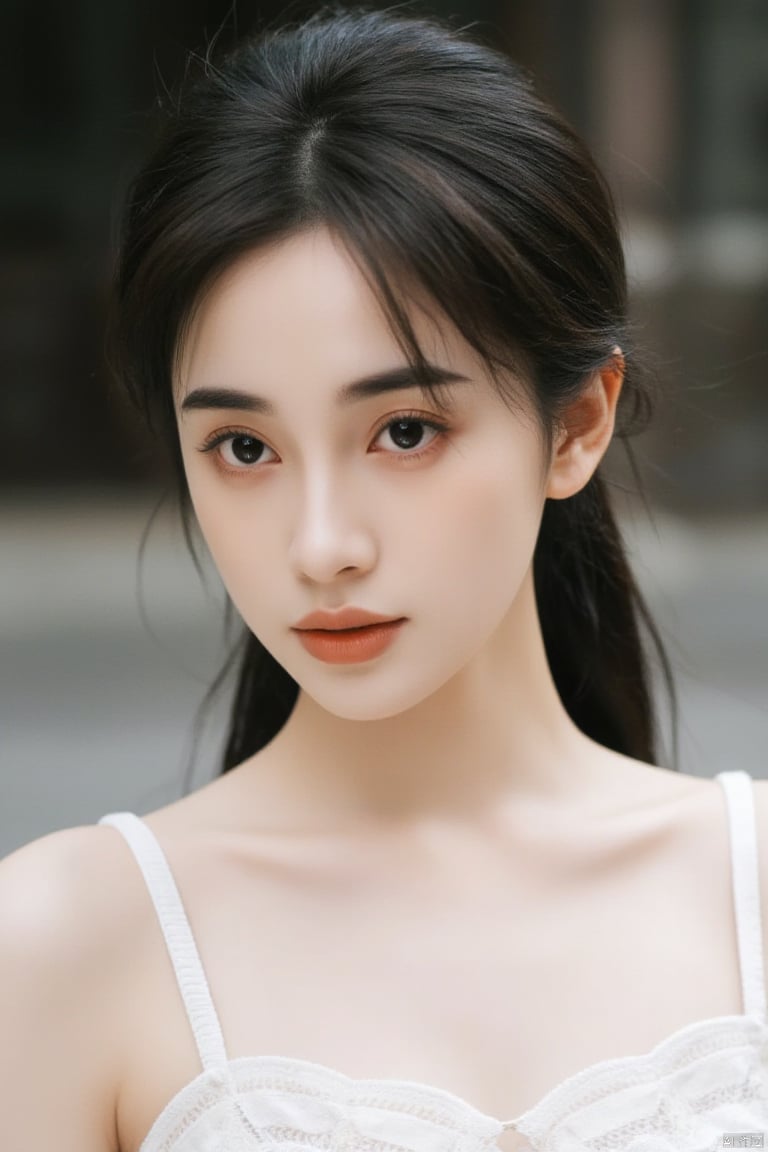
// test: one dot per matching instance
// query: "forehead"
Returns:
(303, 306)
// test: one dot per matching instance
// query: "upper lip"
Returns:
(348, 617)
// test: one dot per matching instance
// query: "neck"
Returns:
(495, 731)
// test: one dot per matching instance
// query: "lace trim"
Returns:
(423, 1102)
(551, 1125)
(207, 1090)
(345, 1137)
(682, 1049)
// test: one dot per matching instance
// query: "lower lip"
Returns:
(350, 646)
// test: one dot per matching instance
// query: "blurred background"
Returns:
(104, 661)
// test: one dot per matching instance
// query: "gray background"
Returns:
(96, 711)
(97, 704)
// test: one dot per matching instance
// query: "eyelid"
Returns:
(221, 435)
(428, 419)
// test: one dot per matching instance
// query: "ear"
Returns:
(586, 430)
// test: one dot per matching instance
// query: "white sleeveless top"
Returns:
(704, 1087)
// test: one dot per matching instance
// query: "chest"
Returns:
(494, 984)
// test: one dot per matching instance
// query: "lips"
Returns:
(342, 619)
(350, 645)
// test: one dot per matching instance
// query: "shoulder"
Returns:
(70, 923)
(760, 795)
(73, 888)
(761, 821)
(761, 811)
(74, 915)
(705, 840)
(72, 912)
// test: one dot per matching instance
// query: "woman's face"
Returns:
(311, 500)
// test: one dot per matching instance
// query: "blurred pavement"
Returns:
(96, 712)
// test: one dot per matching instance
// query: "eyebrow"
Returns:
(395, 380)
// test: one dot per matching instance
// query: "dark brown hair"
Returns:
(430, 155)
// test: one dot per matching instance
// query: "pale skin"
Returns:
(430, 873)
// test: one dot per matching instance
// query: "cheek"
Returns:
(498, 500)
(233, 538)
(488, 524)
(466, 541)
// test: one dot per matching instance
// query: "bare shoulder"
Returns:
(70, 914)
(72, 888)
(761, 821)
(708, 812)
(702, 805)
(761, 813)
(72, 911)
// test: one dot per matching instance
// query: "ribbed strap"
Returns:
(180, 942)
(739, 793)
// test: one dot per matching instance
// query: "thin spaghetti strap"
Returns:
(738, 787)
(180, 942)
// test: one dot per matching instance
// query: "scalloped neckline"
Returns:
(519, 1123)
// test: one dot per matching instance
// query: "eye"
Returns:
(237, 450)
(406, 431)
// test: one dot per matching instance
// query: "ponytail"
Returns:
(591, 611)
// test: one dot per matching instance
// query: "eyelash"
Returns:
(228, 434)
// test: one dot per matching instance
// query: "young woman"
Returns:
(441, 897)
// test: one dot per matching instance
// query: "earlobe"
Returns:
(587, 428)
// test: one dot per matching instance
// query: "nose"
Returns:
(331, 535)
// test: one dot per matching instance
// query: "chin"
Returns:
(347, 703)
